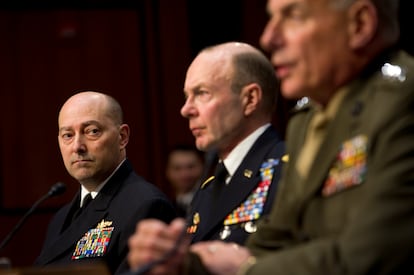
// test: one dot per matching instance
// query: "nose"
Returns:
(188, 110)
(79, 145)
(271, 38)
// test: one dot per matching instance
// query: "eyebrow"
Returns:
(83, 124)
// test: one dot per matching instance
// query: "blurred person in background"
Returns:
(184, 169)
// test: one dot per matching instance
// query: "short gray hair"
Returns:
(255, 67)
(387, 16)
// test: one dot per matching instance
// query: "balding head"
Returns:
(94, 101)
(92, 138)
(247, 65)
(230, 92)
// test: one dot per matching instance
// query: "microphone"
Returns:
(57, 189)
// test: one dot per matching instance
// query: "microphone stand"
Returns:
(22, 221)
(56, 189)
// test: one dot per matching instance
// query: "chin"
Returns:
(82, 175)
(202, 146)
(292, 92)
(199, 143)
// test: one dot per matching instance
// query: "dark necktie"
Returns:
(86, 201)
(220, 174)
(216, 191)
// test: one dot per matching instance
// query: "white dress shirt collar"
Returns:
(95, 192)
(236, 156)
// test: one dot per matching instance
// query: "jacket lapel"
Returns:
(344, 126)
(88, 219)
(242, 183)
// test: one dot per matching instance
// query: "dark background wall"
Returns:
(136, 51)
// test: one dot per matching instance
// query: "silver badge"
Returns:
(393, 72)
(302, 102)
(250, 227)
(225, 232)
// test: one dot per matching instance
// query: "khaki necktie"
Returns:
(314, 137)
(317, 131)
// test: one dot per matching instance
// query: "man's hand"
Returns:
(221, 258)
(152, 240)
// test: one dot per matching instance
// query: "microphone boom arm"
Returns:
(56, 189)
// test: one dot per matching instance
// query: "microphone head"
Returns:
(57, 189)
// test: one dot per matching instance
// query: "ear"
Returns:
(251, 98)
(363, 26)
(123, 135)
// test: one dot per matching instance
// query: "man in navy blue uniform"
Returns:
(112, 198)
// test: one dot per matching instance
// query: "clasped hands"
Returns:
(153, 239)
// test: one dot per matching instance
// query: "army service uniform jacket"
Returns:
(230, 218)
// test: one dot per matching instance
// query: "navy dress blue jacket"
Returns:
(126, 199)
